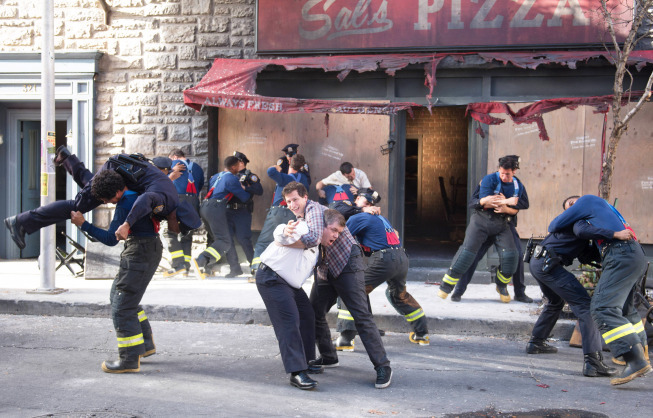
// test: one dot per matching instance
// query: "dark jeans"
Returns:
(350, 286)
(559, 286)
(292, 318)
(613, 308)
(390, 266)
(138, 263)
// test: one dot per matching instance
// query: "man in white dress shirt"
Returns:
(347, 174)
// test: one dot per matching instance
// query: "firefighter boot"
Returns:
(150, 348)
(447, 285)
(594, 366)
(346, 341)
(636, 366)
(129, 362)
(539, 346)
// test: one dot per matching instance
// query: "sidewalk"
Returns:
(218, 299)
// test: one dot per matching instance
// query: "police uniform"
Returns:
(518, 277)
(559, 285)
(188, 187)
(484, 225)
(624, 264)
(156, 194)
(138, 263)
(239, 217)
(278, 212)
(284, 163)
(386, 262)
(213, 210)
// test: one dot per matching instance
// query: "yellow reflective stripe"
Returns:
(131, 341)
(213, 252)
(177, 254)
(639, 327)
(502, 278)
(449, 280)
(187, 258)
(256, 260)
(414, 315)
(618, 332)
(141, 316)
(344, 314)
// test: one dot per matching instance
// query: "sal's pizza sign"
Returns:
(401, 25)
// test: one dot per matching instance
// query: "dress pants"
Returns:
(292, 318)
(350, 286)
(559, 286)
(240, 229)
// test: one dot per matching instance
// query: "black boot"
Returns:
(150, 348)
(61, 154)
(346, 340)
(594, 366)
(16, 231)
(129, 362)
(539, 346)
(302, 380)
(636, 366)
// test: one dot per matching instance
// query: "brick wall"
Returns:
(443, 137)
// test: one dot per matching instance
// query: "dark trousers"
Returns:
(559, 286)
(180, 245)
(484, 226)
(613, 308)
(517, 278)
(390, 266)
(276, 215)
(240, 229)
(214, 216)
(292, 318)
(350, 286)
(138, 263)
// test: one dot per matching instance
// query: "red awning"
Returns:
(231, 83)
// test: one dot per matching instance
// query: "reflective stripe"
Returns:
(256, 260)
(141, 316)
(502, 278)
(618, 332)
(131, 341)
(213, 253)
(639, 327)
(187, 258)
(177, 254)
(449, 280)
(414, 315)
(344, 314)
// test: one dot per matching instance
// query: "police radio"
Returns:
(530, 246)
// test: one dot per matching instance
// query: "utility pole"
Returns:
(48, 142)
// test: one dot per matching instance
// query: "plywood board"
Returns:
(261, 136)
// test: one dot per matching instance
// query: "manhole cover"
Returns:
(89, 414)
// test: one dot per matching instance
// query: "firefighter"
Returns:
(223, 187)
(624, 263)
(387, 262)
(492, 223)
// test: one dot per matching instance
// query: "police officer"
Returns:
(188, 178)
(223, 187)
(387, 262)
(559, 285)
(502, 190)
(279, 212)
(138, 263)
(518, 278)
(239, 216)
(157, 195)
(284, 162)
(624, 264)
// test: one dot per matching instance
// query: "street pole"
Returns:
(48, 143)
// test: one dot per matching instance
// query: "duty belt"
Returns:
(236, 205)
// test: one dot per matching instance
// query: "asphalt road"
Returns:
(51, 366)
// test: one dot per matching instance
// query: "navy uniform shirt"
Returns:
(144, 227)
(225, 185)
(251, 182)
(591, 209)
(282, 180)
(181, 183)
(370, 231)
(569, 244)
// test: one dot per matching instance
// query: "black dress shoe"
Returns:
(16, 231)
(233, 274)
(302, 380)
(324, 363)
(456, 297)
(539, 346)
(61, 154)
(314, 369)
(523, 298)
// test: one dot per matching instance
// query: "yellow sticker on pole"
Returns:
(52, 138)
(44, 184)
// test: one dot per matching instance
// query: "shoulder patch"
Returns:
(347, 202)
(254, 178)
(158, 209)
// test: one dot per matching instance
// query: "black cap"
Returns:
(290, 149)
(370, 195)
(162, 162)
(242, 157)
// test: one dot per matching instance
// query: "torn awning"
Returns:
(231, 83)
